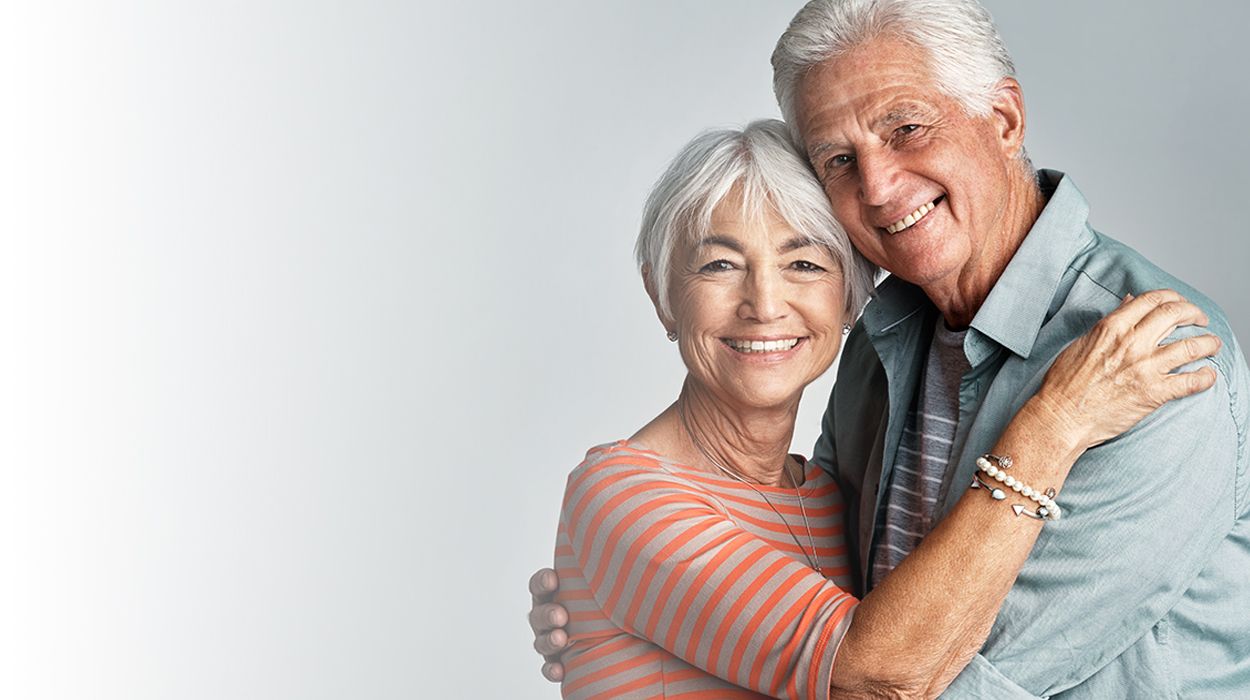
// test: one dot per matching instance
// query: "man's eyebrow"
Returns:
(897, 116)
(820, 148)
(900, 115)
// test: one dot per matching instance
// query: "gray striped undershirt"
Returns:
(923, 453)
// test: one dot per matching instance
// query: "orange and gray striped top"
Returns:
(685, 584)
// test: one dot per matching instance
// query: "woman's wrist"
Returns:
(1043, 430)
(1054, 424)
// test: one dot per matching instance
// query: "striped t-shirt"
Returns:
(681, 583)
(923, 454)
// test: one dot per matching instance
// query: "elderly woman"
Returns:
(699, 557)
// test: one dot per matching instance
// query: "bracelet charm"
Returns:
(995, 467)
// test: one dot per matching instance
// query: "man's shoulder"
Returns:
(1116, 269)
(1108, 269)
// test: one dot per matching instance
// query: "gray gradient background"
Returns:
(309, 307)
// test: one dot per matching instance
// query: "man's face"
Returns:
(920, 186)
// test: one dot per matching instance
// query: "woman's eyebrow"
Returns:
(723, 241)
(794, 244)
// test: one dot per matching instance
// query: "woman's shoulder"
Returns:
(623, 475)
(623, 464)
(621, 459)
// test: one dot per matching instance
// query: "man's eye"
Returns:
(839, 161)
(907, 129)
(717, 266)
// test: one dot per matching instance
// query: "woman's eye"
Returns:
(717, 266)
(806, 266)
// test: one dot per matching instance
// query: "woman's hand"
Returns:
(1117, 373)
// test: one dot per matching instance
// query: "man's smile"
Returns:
(910, 220)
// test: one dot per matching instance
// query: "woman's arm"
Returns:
(927, 619)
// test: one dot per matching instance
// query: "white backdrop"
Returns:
(309, 307)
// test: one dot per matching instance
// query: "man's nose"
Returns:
(878, 178)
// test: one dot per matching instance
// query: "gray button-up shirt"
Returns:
(1142, 590)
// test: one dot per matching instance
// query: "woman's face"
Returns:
(758, 310)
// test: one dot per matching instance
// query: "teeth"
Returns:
(910, 219)
(750, 346)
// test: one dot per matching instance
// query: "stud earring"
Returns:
(846, 328)
(672, 335)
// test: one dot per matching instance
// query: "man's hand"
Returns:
(548, 619)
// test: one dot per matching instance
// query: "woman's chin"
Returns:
(769, 397)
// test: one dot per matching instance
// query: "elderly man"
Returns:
(913, 121)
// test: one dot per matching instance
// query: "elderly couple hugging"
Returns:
(1031, 477)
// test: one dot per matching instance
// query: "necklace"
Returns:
(811, 558)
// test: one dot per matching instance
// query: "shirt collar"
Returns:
(893, 302)
(1016, 308)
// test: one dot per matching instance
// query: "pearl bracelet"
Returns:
(997, 470)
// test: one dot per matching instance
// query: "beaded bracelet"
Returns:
(997, 469)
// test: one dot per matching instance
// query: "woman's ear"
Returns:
(648, 281)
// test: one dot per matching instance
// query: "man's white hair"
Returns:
(771, 173)
(966, 54)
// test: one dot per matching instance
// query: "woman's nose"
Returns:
(763, 298)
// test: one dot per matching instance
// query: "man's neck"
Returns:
(960, 296)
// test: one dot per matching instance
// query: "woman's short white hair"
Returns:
(764, 163)
(967, 56)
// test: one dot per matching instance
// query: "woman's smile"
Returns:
(764, 349)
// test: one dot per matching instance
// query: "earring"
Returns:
(672, 335)
(846, 328)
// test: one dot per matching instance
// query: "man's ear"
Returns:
(1008, 115)
(648, 281)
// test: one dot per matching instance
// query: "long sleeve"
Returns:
(654, 555)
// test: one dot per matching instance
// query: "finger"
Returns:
(547, 616)
(543, 583)
(1160, 321)
(553, 671)
(1180, 353)
(1131, 311)
(551, 644)
(1184, 384)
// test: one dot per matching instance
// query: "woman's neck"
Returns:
(702, 431)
